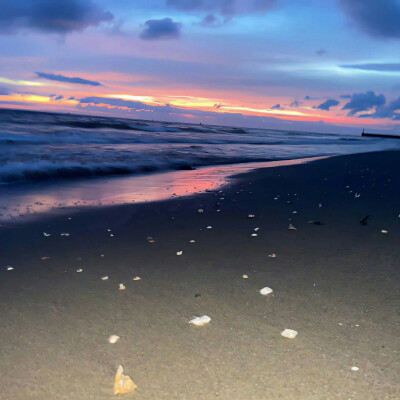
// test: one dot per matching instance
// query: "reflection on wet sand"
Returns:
(21, 201)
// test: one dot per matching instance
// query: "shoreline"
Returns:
(335, 281)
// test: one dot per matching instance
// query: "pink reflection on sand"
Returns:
(21, 201)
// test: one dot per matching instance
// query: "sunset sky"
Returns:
(328, 66)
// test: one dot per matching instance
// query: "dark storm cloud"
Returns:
(377, 18)
(363, 102)
(161, 29)
(384, 67)
(55, 16)
(62, 78)
(326, 105)
(386, 111)
(223, 7)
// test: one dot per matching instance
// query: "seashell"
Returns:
(209, 227)
(192, 241)
(273, 255)
(289, 333)
(245, 276)
(251, 216)
(294, 212)
(179, 253)
(256, 229)
(354, 368)
(137, 278)
(123, 383)
(79, 270)
(200, 210)
(150, 239)
(254, 234)
(122, 286)
(111, 234)
(384, 231)
(9, 268)
(113, 339)
(291, 227)
(200, 321)
(46, 234)
(65, 234)
(104, 278)
(265, 291)
(45, 258)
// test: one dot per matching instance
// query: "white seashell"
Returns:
(122, 286)
(265, 291)
(384, 231)
(10, 268)
(291, 227)
(200, 321)
(273, 255)
(200, 210)
(137, 278)
(256, 229)
(192, 241)
(104, 278)
(354, 368)
(245, 276)
(209, 227)
(251, 216)
(254, 234)
(46, 234)
(179, 253)
(65, 234)
(289, 333)
(111, 234)
(275, 198)
(320, 205)
(79, 270)
(113, 339)
(101, 255)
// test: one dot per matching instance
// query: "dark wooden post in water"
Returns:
(379, 135)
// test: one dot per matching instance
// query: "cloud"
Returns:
(307, 98)
(72, 98)
(295, 103)
(59, 97)
(223, 7)
(60, 16)
(383, 67)
(386, 111)
(377, 18)
(62, 78)
(212, 21)
(276, 107)
(166, 28)
(363, 102)
(326, 105)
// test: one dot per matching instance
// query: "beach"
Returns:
(334, 280)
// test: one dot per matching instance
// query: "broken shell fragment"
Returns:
(9, 268)
(192, 241)
(104, 278)
(122, 286)
(200, 321)
(354, 368)
(46, 234)
(137, 278)
(65, 234)
(245, 276)
(150, 239)
(384, 231)
(254, 234)
(79, 270)
(209, 227)
(291, 227)
(273, 255)
(113, 339)
(200, 210)
(45, 258)
(179, 253)
(251, 216)
(265, 291)
(289, 333)
(123, 383)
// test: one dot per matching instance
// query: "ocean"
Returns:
(52, 160)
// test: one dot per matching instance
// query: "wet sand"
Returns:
(336, 282)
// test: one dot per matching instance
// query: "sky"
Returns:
(313, 65)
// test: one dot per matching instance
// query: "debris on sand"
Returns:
(113, 339)
(289, 333)
(137, 278)
(291, 227)
(150, 239)
(200, 321)
(273, 255)
(265, 291)
(245, 276)
(122, 286)
(123, 383)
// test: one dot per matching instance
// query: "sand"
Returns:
(335, 282)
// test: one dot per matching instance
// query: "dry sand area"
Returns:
(334, 280)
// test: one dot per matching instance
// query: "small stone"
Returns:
(289, 333)
(200, 321)
(197, 295)
(113, 339)
(265, 291)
